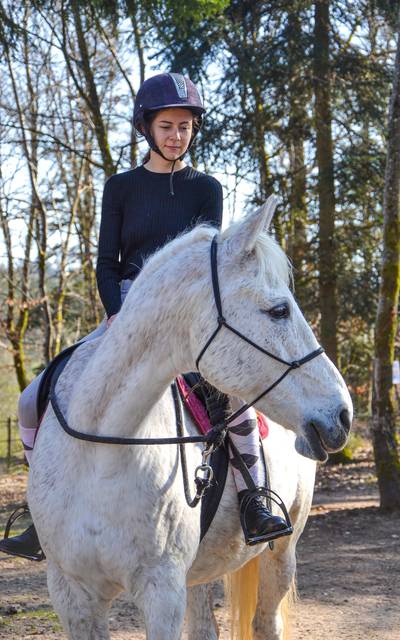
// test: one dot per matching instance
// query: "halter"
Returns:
(221, 322)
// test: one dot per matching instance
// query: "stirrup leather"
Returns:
(271, 496)
(19, 513)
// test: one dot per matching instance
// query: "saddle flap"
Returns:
(52, 371)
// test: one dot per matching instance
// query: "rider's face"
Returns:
(172, 131)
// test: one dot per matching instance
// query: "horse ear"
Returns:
(268, 209)
(254, 224)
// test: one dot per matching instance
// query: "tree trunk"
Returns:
(90, 94)
(326, 189)
(259, 116)
(86, 220)
(298, 96)
(252, 34)
(383, 408)
(134, 11)
(15, 331)
(41, 217)
(37, 217)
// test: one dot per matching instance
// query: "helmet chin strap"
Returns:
(171, 175)
(171, 179)
(154, 148)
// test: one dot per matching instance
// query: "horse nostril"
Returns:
(345, 419)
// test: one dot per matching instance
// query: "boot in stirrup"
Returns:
(258, 523)
(27, 544)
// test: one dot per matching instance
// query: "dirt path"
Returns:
(348, 570)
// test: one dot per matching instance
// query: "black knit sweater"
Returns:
(139, 215)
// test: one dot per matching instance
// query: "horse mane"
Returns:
(191, 237)
(273, 264)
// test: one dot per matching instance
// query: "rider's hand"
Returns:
(111, 319)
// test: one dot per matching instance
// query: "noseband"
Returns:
(221, 322)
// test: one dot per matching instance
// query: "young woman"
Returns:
(142, 210)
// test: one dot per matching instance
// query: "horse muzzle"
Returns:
(324, 438)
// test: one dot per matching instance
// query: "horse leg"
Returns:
(201, 622)
(82, 613)
(163, 602)
(277, 573)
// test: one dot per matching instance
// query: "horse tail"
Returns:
(242, 587)
(289, 599)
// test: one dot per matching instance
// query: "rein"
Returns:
(89, 437)
(216, 435)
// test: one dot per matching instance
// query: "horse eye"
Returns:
(280, 312)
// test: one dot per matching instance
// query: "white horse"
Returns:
(114, 518)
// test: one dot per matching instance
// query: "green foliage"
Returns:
(188, 10)
(9, 391)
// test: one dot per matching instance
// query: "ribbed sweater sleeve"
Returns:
(108, 263)
(211, 209)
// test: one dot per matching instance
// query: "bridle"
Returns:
(221, 322)
(216, 434)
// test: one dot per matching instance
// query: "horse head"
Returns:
(254, 335)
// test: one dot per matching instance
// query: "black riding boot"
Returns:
(26, 545)
(258, 523)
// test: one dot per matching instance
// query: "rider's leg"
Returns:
(243, 431)
(28, 417)
(27, 544)
(261, 524)
(244, 434)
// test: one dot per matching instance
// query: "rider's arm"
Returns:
(108, 262)
(211, 208)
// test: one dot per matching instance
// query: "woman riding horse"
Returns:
(142, 209)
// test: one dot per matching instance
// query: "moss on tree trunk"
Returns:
(384, 417)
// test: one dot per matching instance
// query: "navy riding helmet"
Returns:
(163, 91)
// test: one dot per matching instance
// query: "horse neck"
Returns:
(145, 348)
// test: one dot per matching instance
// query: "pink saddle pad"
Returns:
(199, 414)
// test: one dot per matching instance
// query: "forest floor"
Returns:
(348, 569)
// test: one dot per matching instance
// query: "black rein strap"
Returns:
(88, 437)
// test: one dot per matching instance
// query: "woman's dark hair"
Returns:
(146, 157)
(149, 119)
